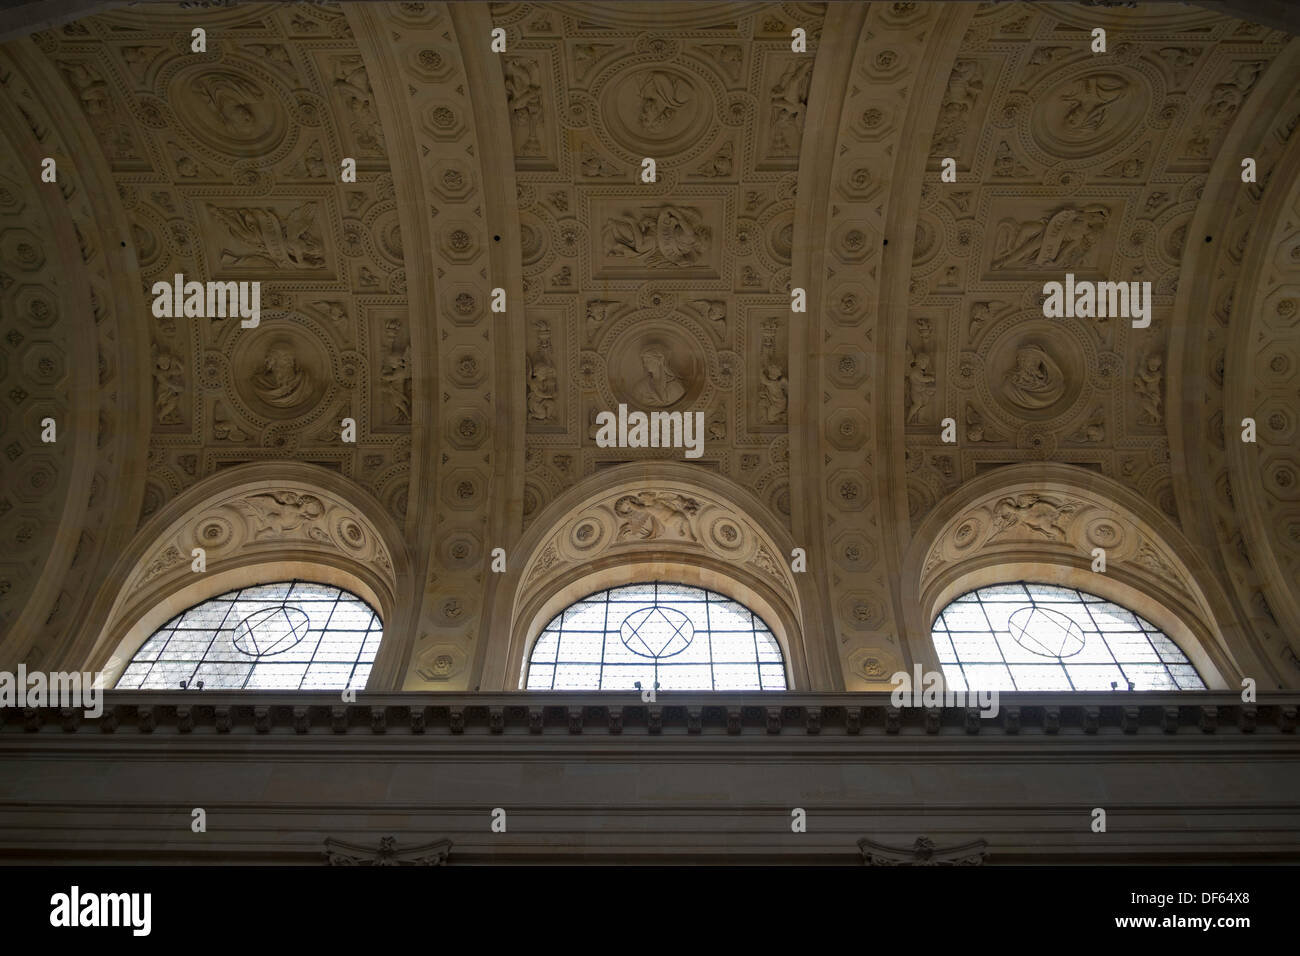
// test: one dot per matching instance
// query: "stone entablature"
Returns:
(1150, 715)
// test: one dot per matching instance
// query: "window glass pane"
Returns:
(287, 635)
(965, 617)
(1048, 592)
(1039, 677)
(1028, 636)
(1096, 677)
(585, 617)
(675, 636)
(988, 677)
(539, 677)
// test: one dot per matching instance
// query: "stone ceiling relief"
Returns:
(670, 295)
(37, 381)
(69, 336)
(774, 170)
(879, 79)
(454, 185)
(228, 164)
(661, 515)
(1236, 353)
(1262, 381)
(282, 519)
(1068, 161)
(1049, 517)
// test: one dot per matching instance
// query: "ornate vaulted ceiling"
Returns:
(522, 171)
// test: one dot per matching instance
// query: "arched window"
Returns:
(1040, 637)
(660, 635)
(292, 635)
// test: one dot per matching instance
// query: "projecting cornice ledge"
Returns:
(1154, 716)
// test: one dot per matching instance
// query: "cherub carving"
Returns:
(656, 514)
(524, 100)
(919, 386)
(168, 384)
(598, 311)
(353, 85)
(284, 512)
(542, 387)
(395, 379)
(1035, 513)
(788, 101)
(1149, 385)
(774, 394)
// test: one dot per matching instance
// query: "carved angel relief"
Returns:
(1149, 385)
(657, 514)
(168, 386)
(788, 102)
(774, 383)
(1036, 513)
(1225, 101)
(1062, 240)
(352, 84)
(660, 237)
(395, 372)
(919, 386)
(542, 382)
(285, 512)
(964, 87)
(524, 100)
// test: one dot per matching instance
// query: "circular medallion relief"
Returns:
(230, 111)
(281, 375)
(656, 368)
(656, 110)
(1089, 113)
(1035, 375)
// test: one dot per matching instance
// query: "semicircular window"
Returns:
(292, 635)
(1028, 636)
(656, 635)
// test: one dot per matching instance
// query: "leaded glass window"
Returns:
(656, 635)
(1027, 636)
(293, 635)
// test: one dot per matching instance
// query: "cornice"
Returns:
(1155, 717)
